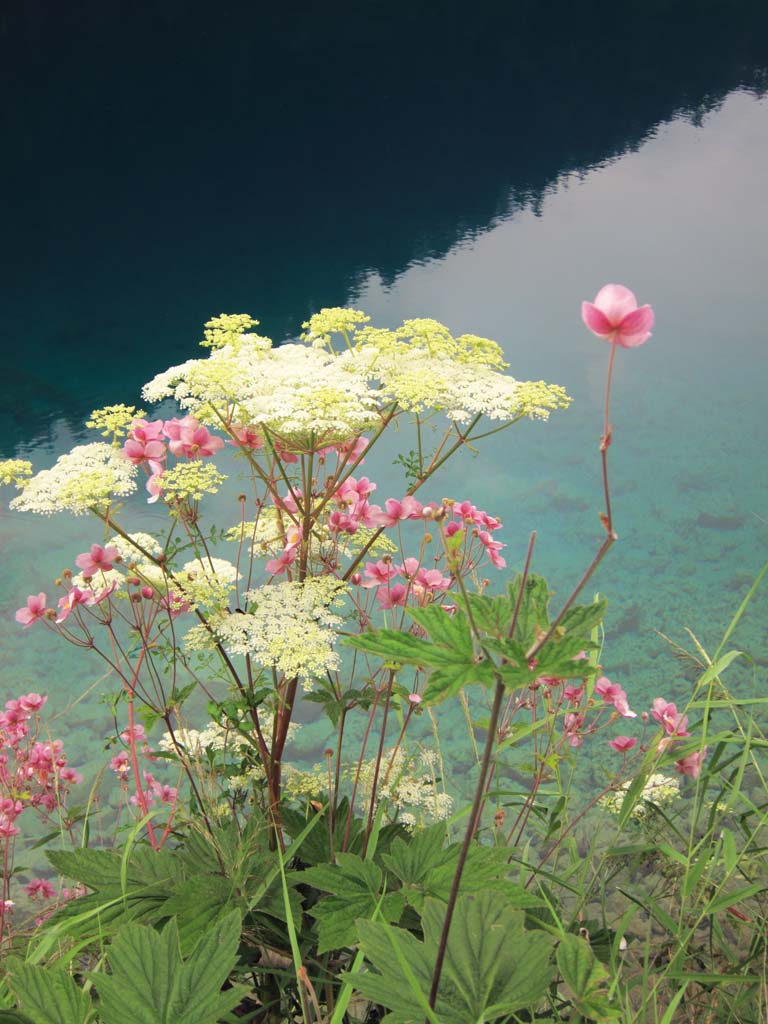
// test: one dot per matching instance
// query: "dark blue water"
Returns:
(491, 171)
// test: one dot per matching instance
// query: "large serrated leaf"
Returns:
(492, 968)
(582, 618)
(47, 995)
(580, 968)
(444, 628)
(356, 885)
(142, 985)
(199, 991)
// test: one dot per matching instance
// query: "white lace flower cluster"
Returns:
(659, 789)
(290, 626)
(411, 787)
(90, 476)
(302, 396)
(309, 396)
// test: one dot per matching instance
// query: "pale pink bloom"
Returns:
(155, 487)
(390, 597)
(279, 565)
(414, 698)
(615, 317)
(572, 724)
(623, 743)
(492, 547)
(7, 828)
(284, 454)
(613, 694)
(190, 439)
(138, 733)
(378, 573)
(32, 702)
(452, 528)
(120, 764)
(395, 511)
(691, 765)
(98, 559)
(352, 450)
(573, 694)
(73, 598)
(410, 567)
(432, 579)
(35, 610)
(246, 437)
(70, 776)
(175, 604)
(40, 887)
(667, 715)
(340, 522)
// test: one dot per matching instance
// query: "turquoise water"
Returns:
(670, 201)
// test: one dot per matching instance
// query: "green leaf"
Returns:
(492, 967)
(47, 995)
(150, 984)
(14, 1017)
(580, 968)
(582, 619)
(356, 885)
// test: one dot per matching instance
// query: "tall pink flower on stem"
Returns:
(616, 317)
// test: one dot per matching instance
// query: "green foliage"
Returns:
(356, 885)
(585, 976)
(48, 996)
(172, 991)
(458, 650)
(493, 967)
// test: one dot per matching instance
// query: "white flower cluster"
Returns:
(289, 627)
(301, 395)
(195, 742)
(88, 477)
(659, 790)
(411, 787)
(130, 548)
(207, 582)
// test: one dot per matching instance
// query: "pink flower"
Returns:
(408, 508)
(246, 437)
(35, 610)
(73, 598)
(378, 573)
(155, 487)
(623, 743)
(615, 317)
(191, 440)
(573, 694)
(98, 559)
(120, 764)
(40, 887)
(691, 765)
(613, 694)
(666, 714)
(144, 444)
(31, 702)
(276, 566)
(492, 547)
(390, 597)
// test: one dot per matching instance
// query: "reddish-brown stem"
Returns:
(359, 769)
(379, 755)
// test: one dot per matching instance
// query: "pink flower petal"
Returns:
(596, 320)
(635, 328)
(616, 302)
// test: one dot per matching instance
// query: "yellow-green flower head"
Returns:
(223, 330)
(289, 627)
(207, 582)
(303, 396)
(319, 328)
(190, 481)
(114, 420)
(89, 477)
(15, 471)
